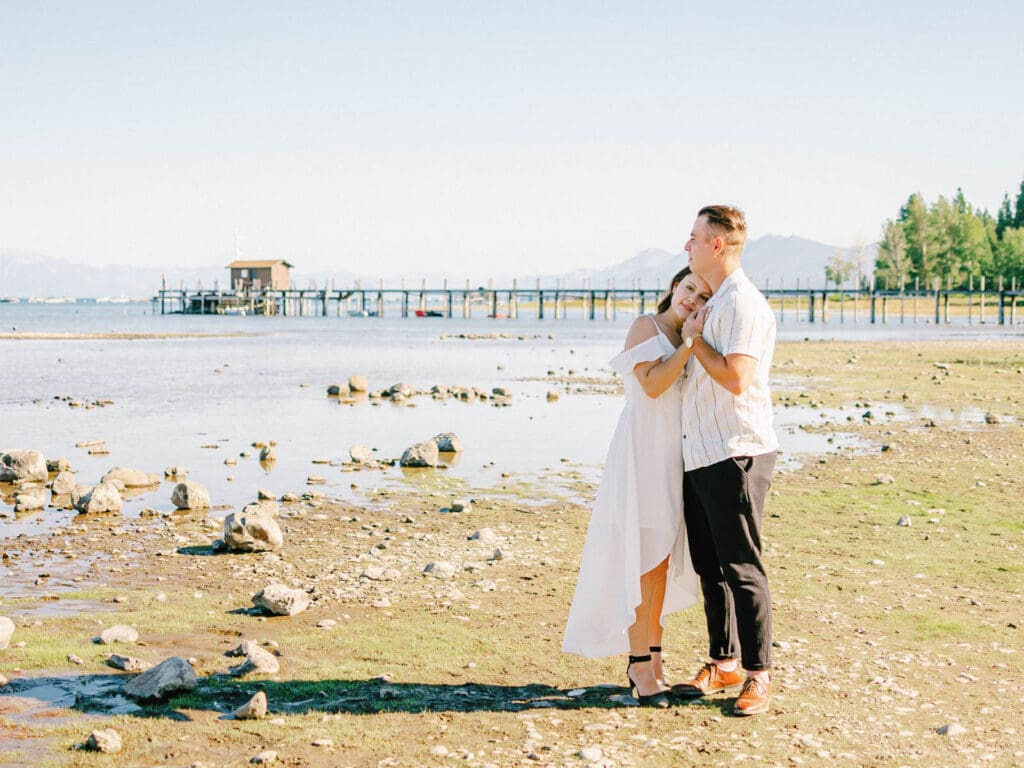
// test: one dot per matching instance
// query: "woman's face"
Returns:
(689, 295)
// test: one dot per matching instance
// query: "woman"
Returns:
(636, 566)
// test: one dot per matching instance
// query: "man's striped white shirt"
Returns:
(717, 424)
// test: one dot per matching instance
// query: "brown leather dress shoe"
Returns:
(710, 679)
(754, 698)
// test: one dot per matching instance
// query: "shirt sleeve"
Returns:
(655, 348)
(742, 328)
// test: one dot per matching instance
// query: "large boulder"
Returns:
(63, 484)
(23, 465)
(190, 495)
(281, 600)
(420, 455)
(6, 630)
(254, 529)
(175, 675)
(102, 498)
(448, 442)
(132, 478)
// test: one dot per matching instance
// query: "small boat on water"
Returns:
(9, 300)
(429, 313)
(51, 300)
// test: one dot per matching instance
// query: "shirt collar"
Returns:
(729, 284)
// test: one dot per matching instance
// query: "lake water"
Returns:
(266, 378)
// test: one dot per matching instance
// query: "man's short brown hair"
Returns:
(728, 222)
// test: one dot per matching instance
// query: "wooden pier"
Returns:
(811, 305)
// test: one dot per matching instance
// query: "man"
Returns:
(729, 448)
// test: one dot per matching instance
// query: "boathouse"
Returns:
(256, 275)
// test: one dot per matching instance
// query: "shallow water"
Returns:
(173, 396)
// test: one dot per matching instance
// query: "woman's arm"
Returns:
(655, 376)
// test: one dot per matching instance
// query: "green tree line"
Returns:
(952, 241)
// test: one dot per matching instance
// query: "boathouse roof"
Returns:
(258, 264)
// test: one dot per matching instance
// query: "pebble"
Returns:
(265, 757)
(952, 729)
(75, 659)
(323, 742)
(904, 521)
(591, 754)
(439, 750)
(326, 623)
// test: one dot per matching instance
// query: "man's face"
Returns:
(702, 248)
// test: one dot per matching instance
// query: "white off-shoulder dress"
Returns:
(637, 519)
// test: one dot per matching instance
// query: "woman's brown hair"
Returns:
(666, 300)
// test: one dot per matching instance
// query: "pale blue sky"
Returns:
(486, 138)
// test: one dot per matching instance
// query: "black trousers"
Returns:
(723, 506)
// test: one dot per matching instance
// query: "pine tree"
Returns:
(1005, 217)
(1018, 217)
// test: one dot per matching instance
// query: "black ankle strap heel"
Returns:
(658, 700)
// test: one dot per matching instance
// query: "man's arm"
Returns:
(734, 372)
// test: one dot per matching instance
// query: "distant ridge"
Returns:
(780, 261)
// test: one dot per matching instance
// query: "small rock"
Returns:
(360, 453)
(358, 383)
(884, 479)
(326, 624)
(75, 659)
(591, 754)
(552, 396)
(951, 729)
(254, 529)
(175, 471)
(174, 675)
(3, 681)
(190, 495)
(440, 569)
(106, 740)
(132, 478)
(267, 453)
(63, 484)
(103, 498)
(439, 750)
(281, 600)
(484, 536)
(420, 455)
(119, 633)
(448, 442)
(6, 630)
(323, 743)
(266, 757)
(257, 661)
(904, 521)
(459, 505)
(128, 663)
(991, 418)
(254, 709)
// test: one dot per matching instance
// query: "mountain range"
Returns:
(771, 261)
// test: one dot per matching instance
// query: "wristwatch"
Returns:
(688, 341)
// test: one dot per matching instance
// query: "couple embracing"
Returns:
(682, 495)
